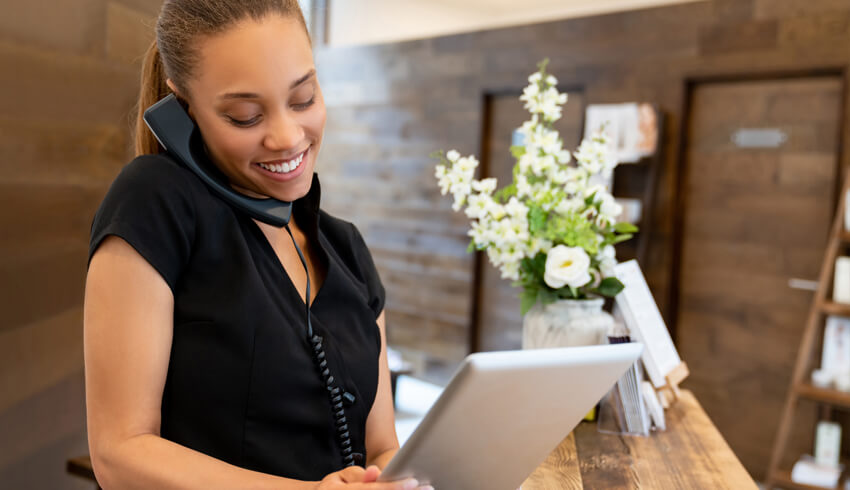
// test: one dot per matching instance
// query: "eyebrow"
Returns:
(251, 95)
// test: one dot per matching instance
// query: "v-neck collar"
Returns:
(306, 211)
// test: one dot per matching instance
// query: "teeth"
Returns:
(285, 167)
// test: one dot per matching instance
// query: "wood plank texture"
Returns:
(733, 266)
(690, 454)
(69, 78)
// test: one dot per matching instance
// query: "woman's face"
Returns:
(257, 102)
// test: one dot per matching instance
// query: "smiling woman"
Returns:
(198, 371)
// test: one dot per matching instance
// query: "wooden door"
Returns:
(759, 182)
(499, 323)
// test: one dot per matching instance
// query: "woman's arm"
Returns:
(128, 324)
(381, 438)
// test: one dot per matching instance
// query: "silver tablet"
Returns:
(504, 412)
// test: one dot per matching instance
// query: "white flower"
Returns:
(523, 188)
(607, 260)
(567, 206)
(484, 186)
(609, 207)
(567, 266)
(467, 164)
(516, 209)
(452, 155)
(443, 179)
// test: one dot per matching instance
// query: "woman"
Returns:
(198, 370)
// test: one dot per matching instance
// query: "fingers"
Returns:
(351, 474)
(371, 474)
(409, 484)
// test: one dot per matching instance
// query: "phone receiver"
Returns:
(178, 134)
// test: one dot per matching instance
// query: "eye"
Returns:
(243, 123)
(304, 105)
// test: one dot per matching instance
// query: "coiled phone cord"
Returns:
(335, 394)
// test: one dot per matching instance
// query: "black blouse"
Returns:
(241, 384)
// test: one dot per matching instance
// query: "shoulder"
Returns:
(152, 205)
(343, 236)
(348, 244)
(157, 173)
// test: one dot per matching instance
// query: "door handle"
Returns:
(802, 284)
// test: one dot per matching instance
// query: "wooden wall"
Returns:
(391, 105)
(68, 82)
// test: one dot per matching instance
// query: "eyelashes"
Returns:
(254, 120)
(305, 105)
(243, 124)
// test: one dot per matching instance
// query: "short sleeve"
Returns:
(374, 286)
(150, 206)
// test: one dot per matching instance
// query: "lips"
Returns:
(284, 169)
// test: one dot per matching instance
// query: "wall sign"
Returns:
(759, 137)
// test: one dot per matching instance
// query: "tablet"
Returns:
(504, 412)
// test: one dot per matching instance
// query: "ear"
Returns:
(171, 85)
(173, 88)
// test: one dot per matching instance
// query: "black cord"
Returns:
(337, 396)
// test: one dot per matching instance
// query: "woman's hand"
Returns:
(355, 477)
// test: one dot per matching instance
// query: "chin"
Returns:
(296, 189)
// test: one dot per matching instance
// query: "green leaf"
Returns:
(436, 154)
(547, 296)
(624, 227)
(527, 298)
(621, 238)
(610, 287)
(536, 220)
(471, 248)
(504, 194)
(517, 151)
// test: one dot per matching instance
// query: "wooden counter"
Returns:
(691, 453)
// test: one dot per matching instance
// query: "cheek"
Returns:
(236, 146)
(315, 121)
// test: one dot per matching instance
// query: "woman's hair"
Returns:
(174, 53)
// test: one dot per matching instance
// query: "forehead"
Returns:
(253, 56)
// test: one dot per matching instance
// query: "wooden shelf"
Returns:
(782, 479)
(833, 308)
(824, 395)
(800, 387)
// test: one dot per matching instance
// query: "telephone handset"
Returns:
(179, 135)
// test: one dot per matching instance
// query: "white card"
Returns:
(645, 323)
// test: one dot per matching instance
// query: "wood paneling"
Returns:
(69, 80)
(399, 102)
(689, 454)
(741, 368)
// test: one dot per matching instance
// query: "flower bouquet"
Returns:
(553, 228)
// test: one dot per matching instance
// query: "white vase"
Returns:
(566, 322)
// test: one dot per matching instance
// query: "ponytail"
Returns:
(153, 88)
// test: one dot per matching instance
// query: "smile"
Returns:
(286, 166)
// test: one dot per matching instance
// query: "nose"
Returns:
(284, 132)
